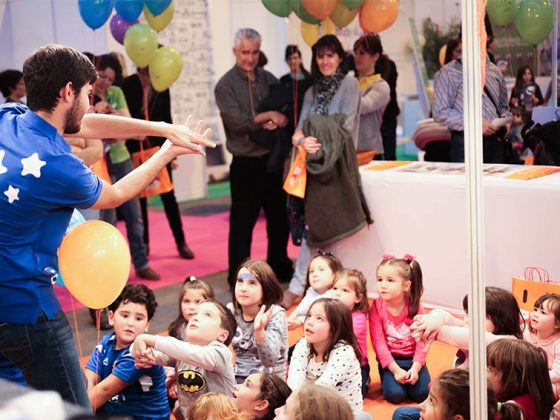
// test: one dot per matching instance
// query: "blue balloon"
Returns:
(95, 12)
(157, 7)
(59, 279)
(129, 10)
(76, 219)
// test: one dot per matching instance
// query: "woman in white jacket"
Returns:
(375, 92)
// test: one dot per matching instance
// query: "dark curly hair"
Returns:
(136, 293)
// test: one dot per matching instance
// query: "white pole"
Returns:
(472, 106)
(554, 75)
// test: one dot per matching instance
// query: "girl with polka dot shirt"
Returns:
(329, 355)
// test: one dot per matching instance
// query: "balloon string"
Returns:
(78, 341)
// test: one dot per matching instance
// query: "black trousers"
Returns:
(253, 188)
(171, 212)
(389, 135)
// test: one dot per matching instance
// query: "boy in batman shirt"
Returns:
(203, 362)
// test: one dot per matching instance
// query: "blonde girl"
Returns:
(544, 332)
(401, 360)
(328, 354)
(261, 340)
(320, 278)
(350, 287)
(212, 406)
(315, 402)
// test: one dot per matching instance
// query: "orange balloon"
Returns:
(378, 15)
(319, 9)
(94, 261)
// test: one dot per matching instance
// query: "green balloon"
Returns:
(342, 15)
(303, 14)
(353, 4)
(165, 68)
(280, 8)
(141, 43)
(534, 20)
(501, 12)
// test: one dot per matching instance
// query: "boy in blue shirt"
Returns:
(115, 386)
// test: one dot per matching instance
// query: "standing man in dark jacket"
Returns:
(238, 94)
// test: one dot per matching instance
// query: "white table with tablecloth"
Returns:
(420, 208)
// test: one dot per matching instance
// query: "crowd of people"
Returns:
(234, 360)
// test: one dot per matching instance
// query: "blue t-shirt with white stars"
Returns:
(40, 184)
(145, 397)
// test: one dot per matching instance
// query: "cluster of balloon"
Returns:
(533, 19)
(139, 39)
(321, 17)
(94, 261)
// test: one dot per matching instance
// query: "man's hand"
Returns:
(103, 107)
(278, 119)
(187, 139)
(487, 128)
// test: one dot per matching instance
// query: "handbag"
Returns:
(297, 176)
(531, 286)
(162, 183)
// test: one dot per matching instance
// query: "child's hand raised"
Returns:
(263, 318)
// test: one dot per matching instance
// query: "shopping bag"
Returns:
(529, 288)
(99, 168)
(297, 176)
(162, 183)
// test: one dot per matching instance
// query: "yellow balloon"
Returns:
(165, 68)
(160, 22)
(311, 33)
(140, 42)
(94, 261)
(441, 55)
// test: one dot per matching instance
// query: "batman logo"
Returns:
(191, 381)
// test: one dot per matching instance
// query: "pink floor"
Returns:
(206, 235)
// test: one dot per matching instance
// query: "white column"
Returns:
(472, 90)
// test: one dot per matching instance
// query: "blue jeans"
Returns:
(365, 380)
(397, 393)
(406, 413)
(132, 214)
(47, 356)
(299, 278)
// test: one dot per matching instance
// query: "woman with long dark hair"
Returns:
(334, 204)
(526, 92)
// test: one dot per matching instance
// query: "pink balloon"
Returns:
(119, 26)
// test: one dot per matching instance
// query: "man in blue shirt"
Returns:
(40, 183)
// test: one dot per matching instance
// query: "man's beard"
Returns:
(74, 117)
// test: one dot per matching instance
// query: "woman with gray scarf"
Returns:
(328, 127)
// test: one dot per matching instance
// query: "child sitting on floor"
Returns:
(401, 360)
(203, 363)
(115, 386)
